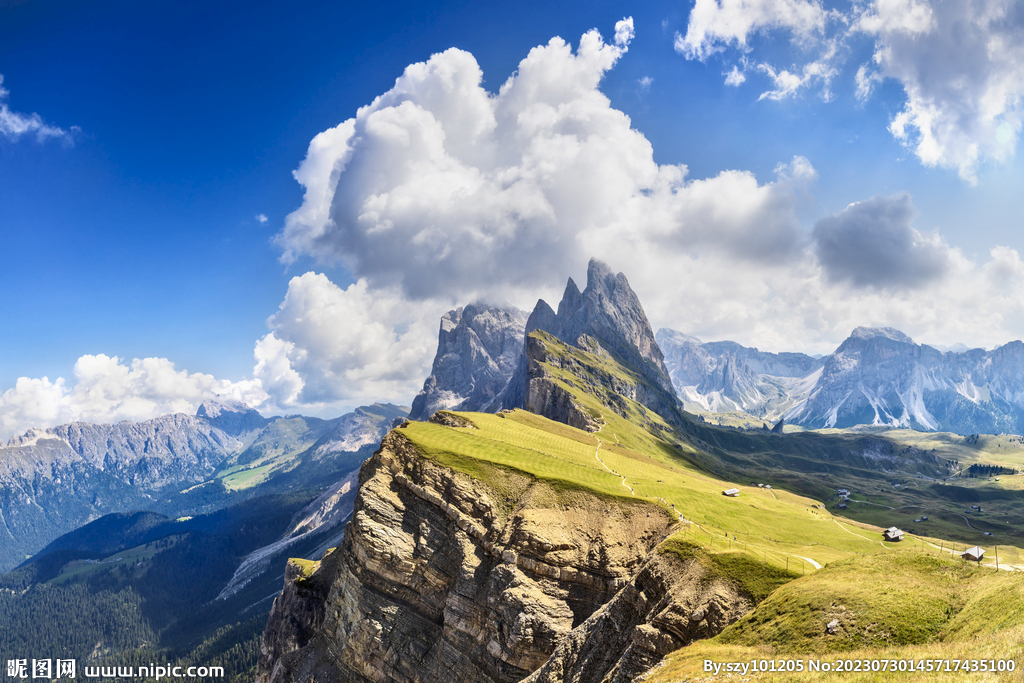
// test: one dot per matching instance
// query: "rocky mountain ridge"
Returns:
(482, 360)
(878, 376)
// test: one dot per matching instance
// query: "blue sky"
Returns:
(133, 233)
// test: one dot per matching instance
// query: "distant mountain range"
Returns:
(55, 480)
(878, 376)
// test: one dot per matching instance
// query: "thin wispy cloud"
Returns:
(14, 125)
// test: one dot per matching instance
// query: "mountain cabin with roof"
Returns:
(732, 493)
(893, 534)
(973, 554)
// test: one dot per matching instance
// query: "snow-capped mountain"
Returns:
(726, 376)
(880, 376)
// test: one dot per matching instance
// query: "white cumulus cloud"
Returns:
(330, 345)
(440, 192)
(960, 64)
(109, 389)
(715, 25)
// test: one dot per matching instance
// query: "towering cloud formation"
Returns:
(440, 193)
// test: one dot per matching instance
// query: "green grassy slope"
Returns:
(888, 599)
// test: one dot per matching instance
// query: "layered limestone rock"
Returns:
(669, 603)
(441, 577)
(478, 349)
(297, 613)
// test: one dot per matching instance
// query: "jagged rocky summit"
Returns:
(607, 311)
(483, 354)
(478, 348)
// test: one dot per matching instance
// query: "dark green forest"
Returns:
(153, 598)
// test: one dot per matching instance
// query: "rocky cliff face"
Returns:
(478, 348)
(668, 604)
(607, 311)
(231, 417)
(441, 577)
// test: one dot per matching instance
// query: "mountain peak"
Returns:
(609, 311)
(233, 417)
(668, 335)
(892, 333)
(478, 348)
(216, 408)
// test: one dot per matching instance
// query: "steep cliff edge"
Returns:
(442, 577)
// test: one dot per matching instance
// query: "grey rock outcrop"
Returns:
(478, 350)
(667, 605)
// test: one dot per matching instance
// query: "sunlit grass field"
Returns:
(773, 525)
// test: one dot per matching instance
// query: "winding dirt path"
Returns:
(610, 469)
